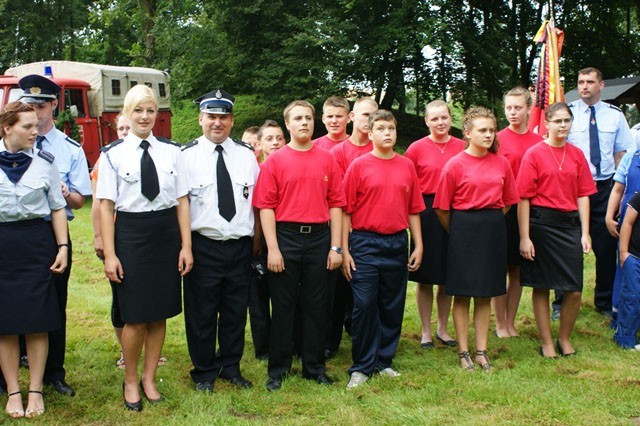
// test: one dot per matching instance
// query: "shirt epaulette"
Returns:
(111, 145)
(169, 141)
(72, 142)
(190, 144)
(613, 107)
(46, 155)
(573, 104)
(241, 143)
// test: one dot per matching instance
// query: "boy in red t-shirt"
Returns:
(383, 199)
(300, 199)
(335, 116)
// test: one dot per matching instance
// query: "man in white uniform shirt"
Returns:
(221, 174)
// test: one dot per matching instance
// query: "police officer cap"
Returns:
(216, 102)
(38, 89)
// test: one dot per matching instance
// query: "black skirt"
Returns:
(434, 239)
(558, 261)
(28, 301)
(513, 237)
(148, 246)
(477, 254)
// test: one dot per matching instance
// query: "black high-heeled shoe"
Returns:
(131, 406)
(151, 401)
(561, 352)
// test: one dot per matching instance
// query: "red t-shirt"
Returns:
(513, 146)
(381, 194)
(430, 157)
(326, 143)
(300, 186)
(344, 153)
(473, 183)
(541, 180)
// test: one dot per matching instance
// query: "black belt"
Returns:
(555, 216)
(303, 228)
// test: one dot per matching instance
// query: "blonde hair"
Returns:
(469, 118)
(337, 102)
(367, 100)
(296, 103)
(138, 94)
(436, 104)
(520, 91)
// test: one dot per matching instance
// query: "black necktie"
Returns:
(148, 173)
(226, 204)
(594, 141)
(39, 140)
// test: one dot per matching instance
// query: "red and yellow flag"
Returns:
(548, 88)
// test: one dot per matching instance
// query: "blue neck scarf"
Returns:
(14, 164)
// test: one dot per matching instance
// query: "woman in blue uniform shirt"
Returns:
(29, 191)
(149, 247)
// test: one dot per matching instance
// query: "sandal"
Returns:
(15, 413)
(162, 361)
(31, 413)
(465, 356)
(120, 362)
(486, 367)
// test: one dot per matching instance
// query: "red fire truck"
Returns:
(94, 95)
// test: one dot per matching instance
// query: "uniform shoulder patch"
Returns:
(111, 145)
(169, 141)
(573, 104)
(241, 143)
(190, 145)
(72, 142)
(46, 155)
(614, 107)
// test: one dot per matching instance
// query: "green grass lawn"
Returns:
(599, 386)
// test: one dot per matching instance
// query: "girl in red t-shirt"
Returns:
(553, 215)
(476, 188)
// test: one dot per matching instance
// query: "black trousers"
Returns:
(259, 313)
(341, 305)
(604, 248)
(54, 369)
(216, 295)
(303, 282)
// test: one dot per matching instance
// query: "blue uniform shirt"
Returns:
(613, 132)
(70, 161)
(35, 194)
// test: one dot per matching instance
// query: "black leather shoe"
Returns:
(239, 381)
(204, 387)
(451, 343)
(62, 388)
(151, 401)
(321, 379)
(131, 406)
(274, 384)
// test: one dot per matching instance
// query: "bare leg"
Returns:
(500, 312)
(514, 293)
(152, 347)
(133, 336)
(568, 314)
(37, 348)
(540, 302)
(443, 303)
(424, 300)
(461, 323)
(9, 360)
(118, 331)
(481, 319)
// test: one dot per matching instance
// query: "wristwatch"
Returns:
(336, 249)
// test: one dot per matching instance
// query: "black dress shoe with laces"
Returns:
(62, 388)
(274, 384)
(239, 381)
(204, 387)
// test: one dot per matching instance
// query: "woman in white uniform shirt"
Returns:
(29, 190)
(149, 247)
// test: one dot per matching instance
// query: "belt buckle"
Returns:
(305, 229)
